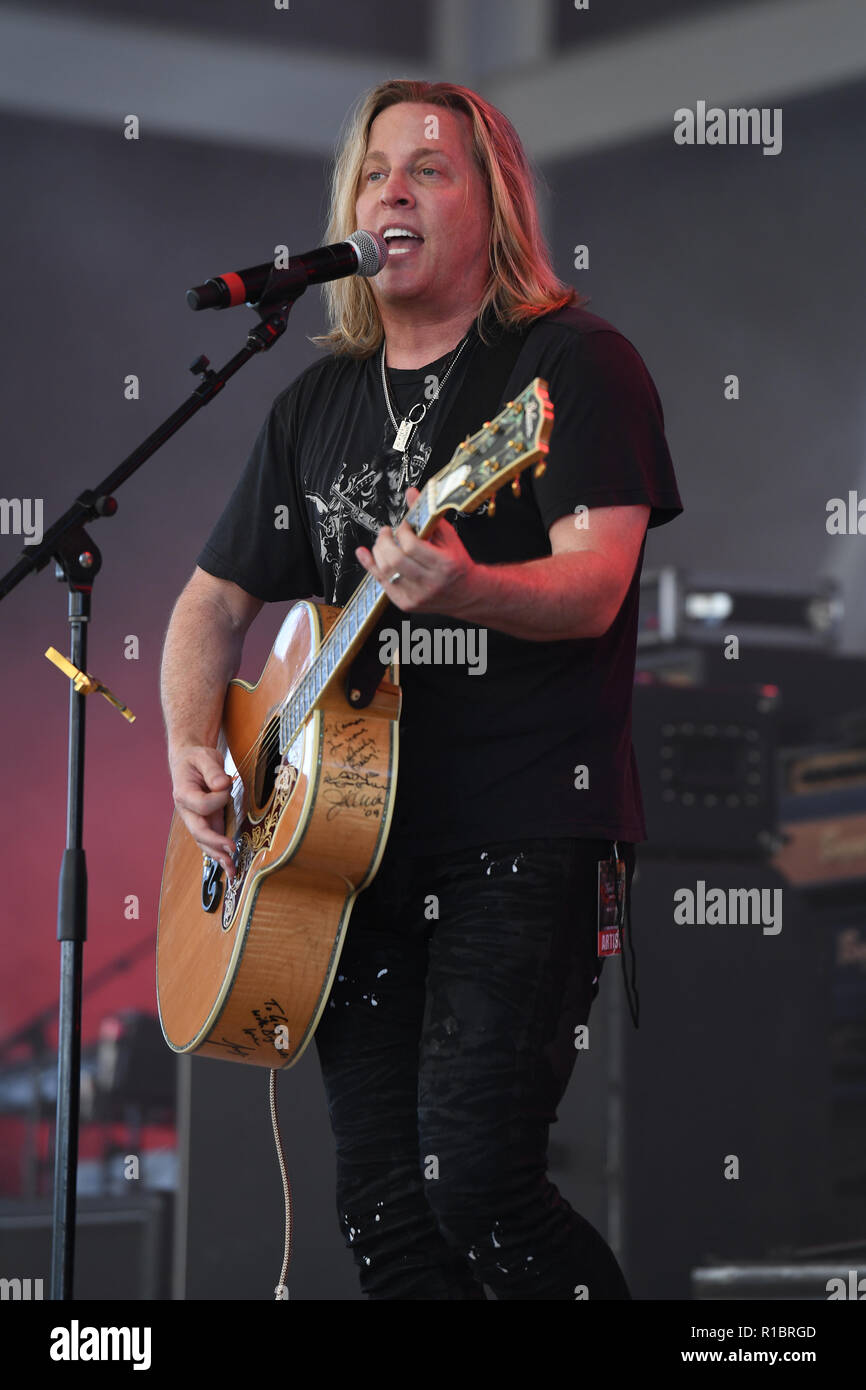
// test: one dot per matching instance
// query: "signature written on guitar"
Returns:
(352, 786)
(349, 741)
(271, 1027)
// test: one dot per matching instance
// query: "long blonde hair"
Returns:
(522, 284)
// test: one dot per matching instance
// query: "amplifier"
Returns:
(706, 758)
(675, 606)
(822, 814)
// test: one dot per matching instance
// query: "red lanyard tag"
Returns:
(611, 898)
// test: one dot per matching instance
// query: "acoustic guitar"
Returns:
(244, 968)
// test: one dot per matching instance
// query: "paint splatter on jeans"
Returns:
(446, 1045)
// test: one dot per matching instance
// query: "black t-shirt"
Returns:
(538, 743)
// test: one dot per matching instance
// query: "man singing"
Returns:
(473, 958)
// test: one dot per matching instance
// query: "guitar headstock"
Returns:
(495, 454)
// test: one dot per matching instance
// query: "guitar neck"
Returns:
(346, 637)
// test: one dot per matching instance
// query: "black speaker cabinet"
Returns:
(745, 1087)
(122, 1247)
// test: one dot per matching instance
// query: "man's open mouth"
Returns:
(401, 240)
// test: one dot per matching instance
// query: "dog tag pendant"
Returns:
(401, 438)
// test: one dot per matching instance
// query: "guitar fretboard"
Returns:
(348, 633)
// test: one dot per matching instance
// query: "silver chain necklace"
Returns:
(407, 425)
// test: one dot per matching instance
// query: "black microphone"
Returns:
(365, 253)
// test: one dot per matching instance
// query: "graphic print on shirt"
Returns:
(360, 502)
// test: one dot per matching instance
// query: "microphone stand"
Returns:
(78, 561)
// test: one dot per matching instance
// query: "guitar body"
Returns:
(248, 980)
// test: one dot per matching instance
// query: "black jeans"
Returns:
(446, 1045)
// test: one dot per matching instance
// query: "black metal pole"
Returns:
(71, 933)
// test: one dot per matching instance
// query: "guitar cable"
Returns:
(281, 1292)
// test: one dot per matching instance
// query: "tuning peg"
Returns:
(491, 506)
(539, 469)
(515, 486)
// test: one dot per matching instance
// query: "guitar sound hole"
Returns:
(267, 764)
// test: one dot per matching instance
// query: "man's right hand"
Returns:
(201, 788)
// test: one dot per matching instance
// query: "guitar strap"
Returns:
(481, 390)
